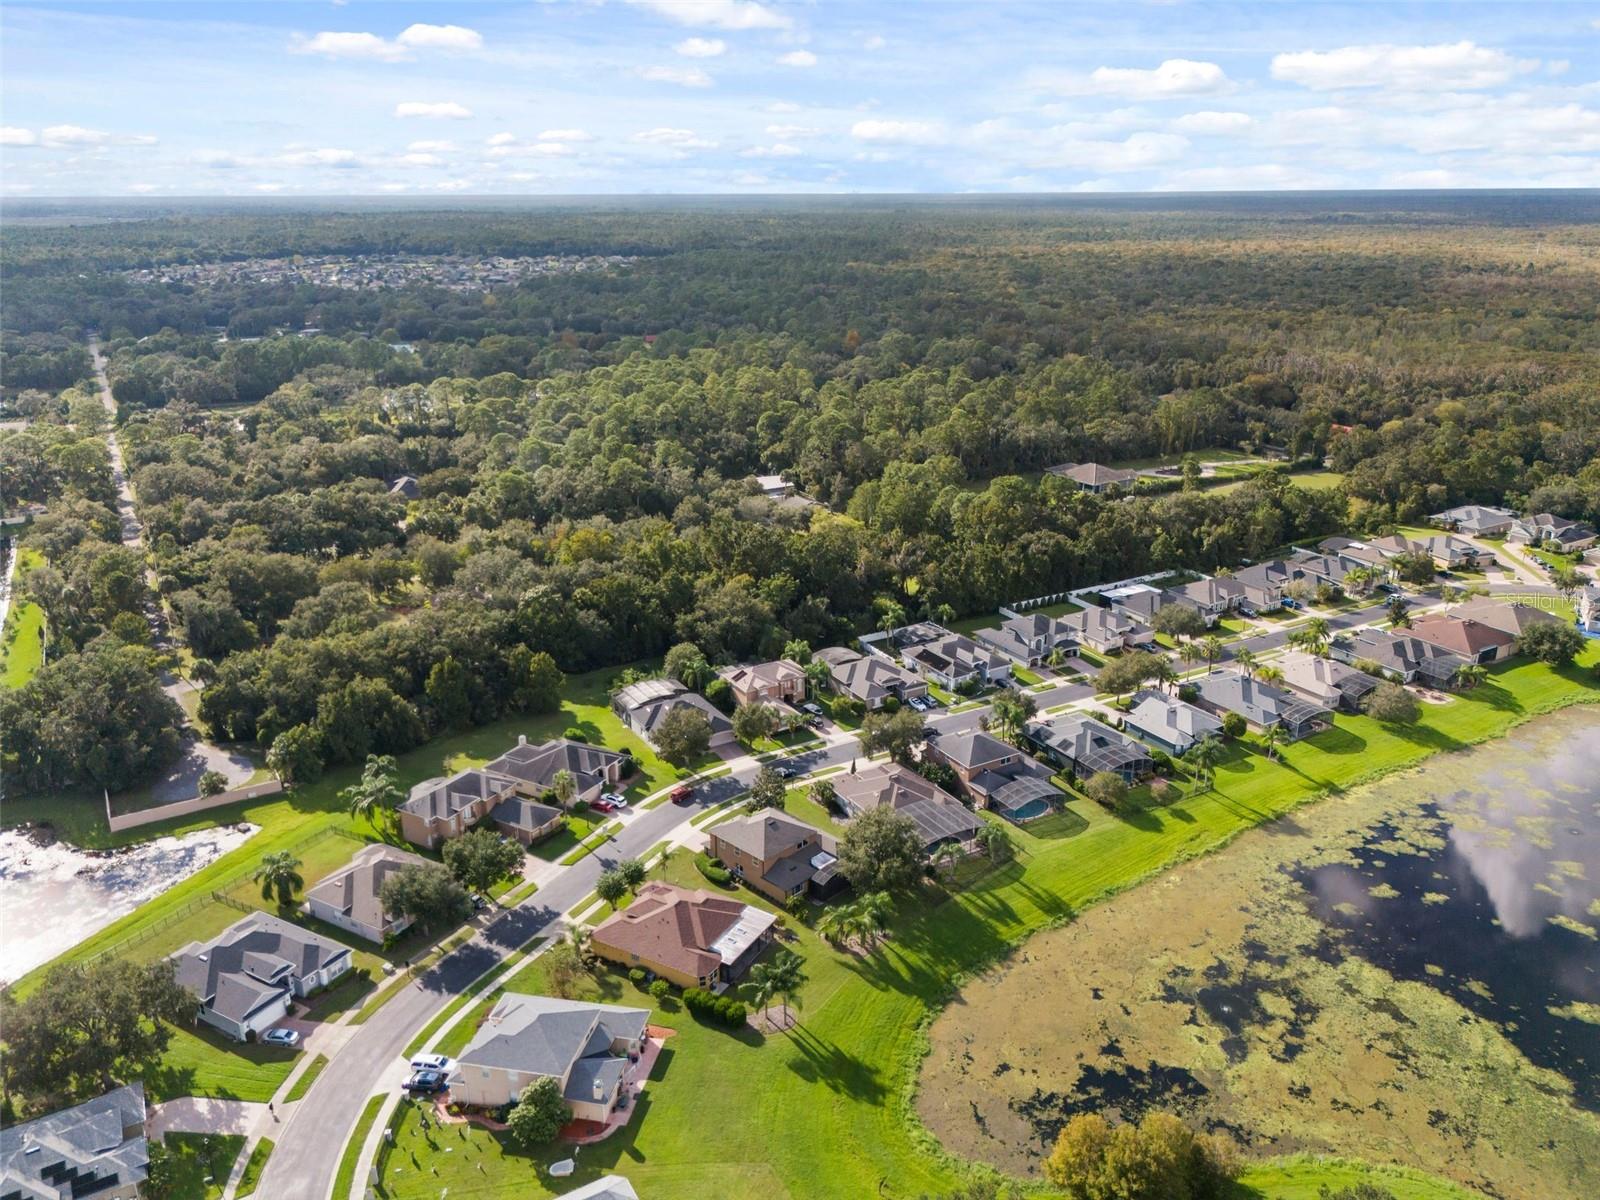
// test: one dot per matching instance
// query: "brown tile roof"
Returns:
(1462, 635)
(671, 927)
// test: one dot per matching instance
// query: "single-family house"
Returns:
(870, 678)
(246, 978)
(1407, 658)
(1140, 603)
(1513, 617)
(1475, 520)
(644, 705)
(439, 809)
(778, 856)
(973, 752)
(607, 1187)
(349, 899)
(953, 660)
(940, 818)
(1029, 640)
(1589, 608)
(774, 486)
(1325, 681)
(1451, 553)
(1093, 477)
(778, 682)
(97, 1148)
(1261, 705)
(1107, 631)
(1472, 640)
(1169, 722)
(406, 487)
(1542, 528)
(585, 1047)
(1355, 554)
(996, 775)
(1263, 585)
(534, 766)
(689, 938)
(1086, 747)
(1213, 597)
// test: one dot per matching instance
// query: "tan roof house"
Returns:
(777, 855)
(1472, 640)
(779, 681)
(440, 809)
(349, 900)
(692, 939)
(1093, 477)
(534, 766)
(869, 678)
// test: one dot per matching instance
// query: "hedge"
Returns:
(723, 1009)
(713, 869)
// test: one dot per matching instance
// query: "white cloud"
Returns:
(441, 110)
(536, 149)
(791, 132)
(1461, 65)
(797, 58)
(874, 43)
(12, 135)
(1214, 123)
(349, 45)
(776, 150)
(323, 157)
(1136, 152)
(419, 160)
(566, 135)
(332, 44)
(428, 147)
(681, 139)
(717, 14)
(72, 135)
(699, 47)
(692, 77)
(394, 187)
(500, 139)
(783, 106)
(440, 37)
(916, 133)
(1174, 77)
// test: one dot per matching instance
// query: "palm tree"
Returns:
(1205, 754)
(996, 842)
(1269, 674)
(376, 791)
(564, 787)
(1470, 675)
(1212, 646)
(1165, 674)
(1191, 653)
(947, 856)
(279, 873)
(797, 650)
(782, 975)
(835, 924)
(1319, 629)
(1358, 580)
(1057, 657)
(1270, 737)
(818, 677)
(1245, 659)
(874, 910)
(1010, 711)
(894, 615)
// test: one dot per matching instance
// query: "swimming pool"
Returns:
(1031, 811)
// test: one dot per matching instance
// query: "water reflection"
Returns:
(1492, 893)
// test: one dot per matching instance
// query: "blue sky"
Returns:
(622, 96)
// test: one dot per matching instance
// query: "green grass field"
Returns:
(21, 651)
(307, 1078)
(198, 1157)
(838, 1087)
(346, 1174)
(254, 1168)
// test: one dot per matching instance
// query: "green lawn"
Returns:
(202, 1062)
(346, 1174)
(21, 651)
(254, 1168)
(836, 1087)
(798, 803)
(307, 1078)
(202, 1156)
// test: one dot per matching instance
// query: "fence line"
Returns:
(218, 895)
(184, 808)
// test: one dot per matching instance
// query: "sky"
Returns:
(740, 96)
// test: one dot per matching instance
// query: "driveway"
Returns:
(193, 1114)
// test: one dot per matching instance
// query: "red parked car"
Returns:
(682, 794)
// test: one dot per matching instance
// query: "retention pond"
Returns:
(1408, 973)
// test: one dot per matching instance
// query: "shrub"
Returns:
(891, 705)
(720, 694)
(659, 990)
(573, 734)
(724, 1010)
(1161, 762)
(713, 870)
(212, 783)
(636, 977)
(1233, 725)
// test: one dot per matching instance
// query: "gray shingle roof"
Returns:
(79, 1151)
(542, 1035)
(1090, 744)
(1258, 703)
(446, 797)
(353, 889)
(537, 763)
(242, 969)
(974, 748)
(1170, 719)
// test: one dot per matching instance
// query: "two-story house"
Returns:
(781, 681)
(778, 856)
(440, 809)
(689, 938)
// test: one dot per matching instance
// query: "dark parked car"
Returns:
(427, 1082)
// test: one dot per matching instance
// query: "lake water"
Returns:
(53, 897)
(1408, 973)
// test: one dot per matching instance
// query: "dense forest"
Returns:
(583, 444)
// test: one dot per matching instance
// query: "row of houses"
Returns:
(1532, 529)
